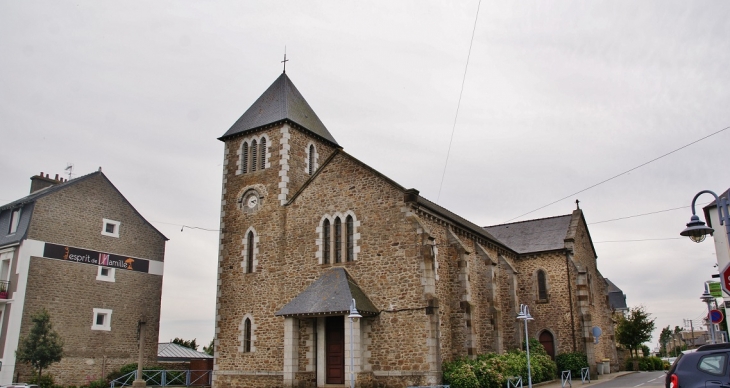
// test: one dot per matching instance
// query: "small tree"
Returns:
(188, 344)
(43, 346)
(635, 329)
(210, 348)
(664, 338)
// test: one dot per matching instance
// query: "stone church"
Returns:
(307, 230)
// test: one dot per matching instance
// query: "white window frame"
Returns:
(106, 222)
(109, 277)
(14, 220)
(107, 326)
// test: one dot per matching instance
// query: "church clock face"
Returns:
(250, 201)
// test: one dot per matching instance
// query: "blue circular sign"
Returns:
(716, 316)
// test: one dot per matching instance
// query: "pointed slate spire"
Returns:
(281, 102)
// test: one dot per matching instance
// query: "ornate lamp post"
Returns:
(697, 230)
(354, 315)
(525, 316)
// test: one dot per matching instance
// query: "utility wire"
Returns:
(645, 214)
(463, 80)
(618, 175)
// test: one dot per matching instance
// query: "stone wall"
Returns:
(70, 291)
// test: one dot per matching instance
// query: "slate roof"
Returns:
(331, 294)
(616, 297)
(26, 204)
(281, 102)
(540, 235)
(168, 351)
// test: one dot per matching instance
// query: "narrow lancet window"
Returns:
(338, 240)
(247, 336)
(249, 252)
(349, 225)
(311, 159)
(253, 155)
(326, 242)
(244, 158)
(541, 285)
(263, 153)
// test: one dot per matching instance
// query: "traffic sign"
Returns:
(715, 289)
(716, 316)
(725, 278)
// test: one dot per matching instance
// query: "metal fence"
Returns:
(167, 378)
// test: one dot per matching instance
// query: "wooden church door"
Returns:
(335, 354)
(547, 341)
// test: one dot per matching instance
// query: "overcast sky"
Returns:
(558, 96)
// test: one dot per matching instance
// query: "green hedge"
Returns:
(573, 362)
(492, 370)
(645, 363)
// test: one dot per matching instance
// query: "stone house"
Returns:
(307, 229)
(80, 250)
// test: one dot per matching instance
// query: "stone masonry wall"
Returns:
(70, 291)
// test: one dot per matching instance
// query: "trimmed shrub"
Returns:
(493, 370)
(573, 362)
(45, 381)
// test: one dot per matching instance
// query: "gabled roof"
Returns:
(26, 204)
(331, 294)
(281, 102)
(543, 234)
(169, 351)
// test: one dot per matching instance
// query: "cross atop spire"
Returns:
(577, 206)
(285, 60)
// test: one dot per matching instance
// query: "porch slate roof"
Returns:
(331, 294)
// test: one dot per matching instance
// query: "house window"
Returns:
(102, 320)
(105, 274)
(250, 251)
(247, 336)
(14, 221)
(110, 228)
(338, 242)
(542, 293)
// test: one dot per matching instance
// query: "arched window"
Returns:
(542, 293)
(247, 336)
(338, 240)
(253, 155)
(249, 251)
(326, 242)
(311, 159)
(349, 230)
(263, 153)
(244, 158)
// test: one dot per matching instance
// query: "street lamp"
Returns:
(354, 314)
(525, 316)
(697, 230)
(707, 298)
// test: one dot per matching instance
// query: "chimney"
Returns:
(41, 181)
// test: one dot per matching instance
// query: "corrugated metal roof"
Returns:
(280, 102)
(169, 350)
(332, 293)
(544, 234)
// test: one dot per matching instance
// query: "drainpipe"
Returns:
(570, 297)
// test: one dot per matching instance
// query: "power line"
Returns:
(186, 226)
(458, 105)
(618, 175)
(645, 239)
(645, 214)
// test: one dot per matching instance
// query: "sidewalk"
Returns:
(577, 383)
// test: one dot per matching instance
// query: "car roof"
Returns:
(714, 347)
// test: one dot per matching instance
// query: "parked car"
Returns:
(19, 385)
(706, 368)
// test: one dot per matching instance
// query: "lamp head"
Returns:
(354, 314)
(697, 230)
